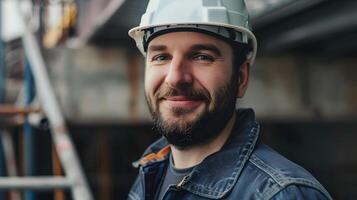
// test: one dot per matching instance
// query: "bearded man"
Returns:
(198, 54)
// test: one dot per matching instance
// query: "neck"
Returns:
(188, 157)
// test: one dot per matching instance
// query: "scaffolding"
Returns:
(37, 88)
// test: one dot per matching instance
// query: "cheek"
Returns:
(153, 80)
(214, 79)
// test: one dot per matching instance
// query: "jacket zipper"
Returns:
(178, 186)
(183, 181)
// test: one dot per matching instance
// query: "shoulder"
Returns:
(278, 178)
(283, 171)
(299, 192)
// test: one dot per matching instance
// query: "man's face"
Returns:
(189, 86)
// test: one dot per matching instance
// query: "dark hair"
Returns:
(240, 53)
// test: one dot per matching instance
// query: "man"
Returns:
(198, 54)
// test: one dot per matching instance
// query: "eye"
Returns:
(160, 58)
(203, 57)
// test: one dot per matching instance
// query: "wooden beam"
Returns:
(12, 110)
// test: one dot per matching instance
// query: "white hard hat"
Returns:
(227, 19)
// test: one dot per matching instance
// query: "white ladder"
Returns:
(74, 178)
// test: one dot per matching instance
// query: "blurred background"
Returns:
(303, 89)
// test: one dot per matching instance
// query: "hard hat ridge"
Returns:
(228, 35)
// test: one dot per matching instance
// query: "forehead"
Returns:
(186, 40)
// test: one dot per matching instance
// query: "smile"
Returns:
(182, 102)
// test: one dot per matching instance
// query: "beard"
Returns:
(206, 125)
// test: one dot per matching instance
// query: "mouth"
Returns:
(182, 101)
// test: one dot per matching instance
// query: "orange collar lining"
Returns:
(155, 156)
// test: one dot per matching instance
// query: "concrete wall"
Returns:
(303, 88)
(99, 84)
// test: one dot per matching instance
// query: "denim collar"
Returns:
(217, 174)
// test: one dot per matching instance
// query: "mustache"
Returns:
(190, 93)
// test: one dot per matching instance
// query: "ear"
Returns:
(243, 78)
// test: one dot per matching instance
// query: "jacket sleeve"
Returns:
(296, 192)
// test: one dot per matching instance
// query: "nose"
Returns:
(179, 73)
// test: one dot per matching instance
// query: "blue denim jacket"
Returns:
(244, 168)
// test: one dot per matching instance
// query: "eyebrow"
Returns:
(157, 48)
(196, 47)
(206, 47)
